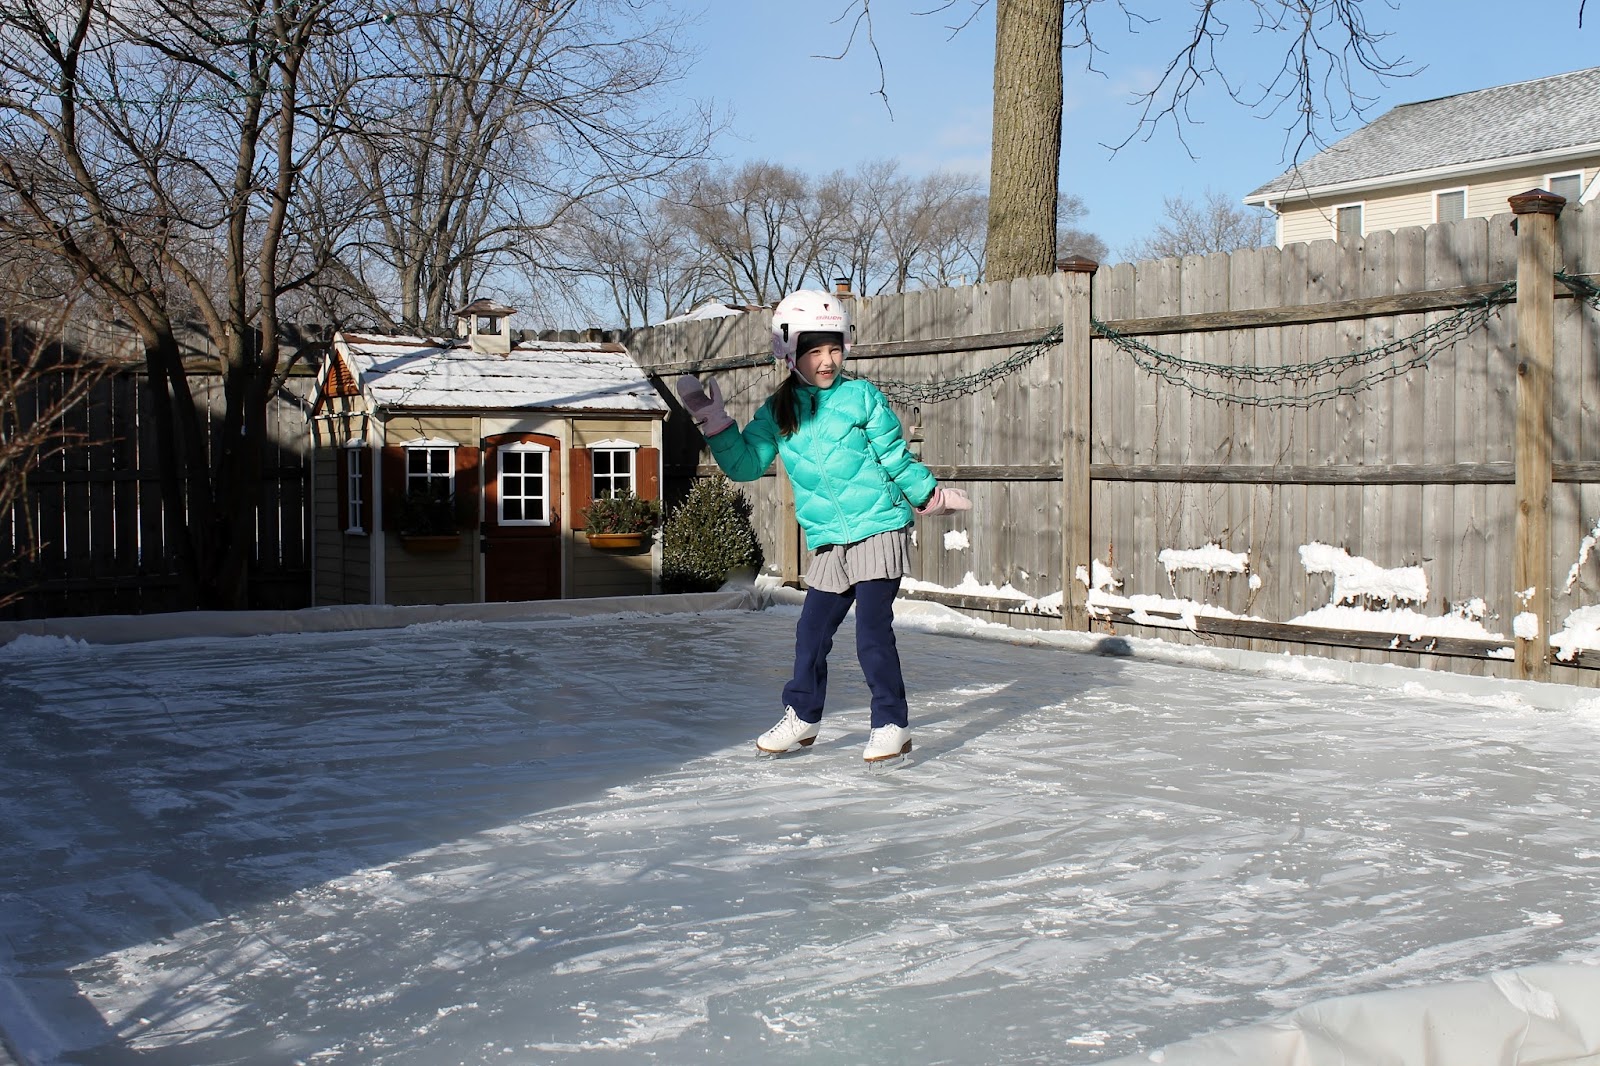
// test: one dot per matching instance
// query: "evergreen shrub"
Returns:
(707, 537)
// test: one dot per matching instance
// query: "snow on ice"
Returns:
(545, 840)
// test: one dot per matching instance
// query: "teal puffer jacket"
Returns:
(852, 473)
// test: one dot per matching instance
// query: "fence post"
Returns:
(1075, 277)
(1537, 212)
(788, 530)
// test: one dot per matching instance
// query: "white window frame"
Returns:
(1465, 202)
(521, 448)
(611, 447)
(1338, 209)
(355, 504)
(1551, 179)
(432, 444)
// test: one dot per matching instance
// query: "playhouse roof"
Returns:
(429, 374)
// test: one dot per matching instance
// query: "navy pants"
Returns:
(875, 648)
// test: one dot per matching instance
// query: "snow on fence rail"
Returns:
(1361, 395)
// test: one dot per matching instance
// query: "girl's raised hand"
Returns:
(704, 404)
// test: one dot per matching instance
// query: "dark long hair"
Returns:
(786, 405)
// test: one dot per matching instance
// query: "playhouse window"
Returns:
(489, 325)
(430, 471)
(613, 468)
(355, 489)
(524, 485)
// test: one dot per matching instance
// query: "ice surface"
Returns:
(547, 842)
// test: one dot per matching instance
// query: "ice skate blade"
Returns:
(885, 761)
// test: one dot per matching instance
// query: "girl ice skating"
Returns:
(856, 491)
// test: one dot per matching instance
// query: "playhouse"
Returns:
(458, 470)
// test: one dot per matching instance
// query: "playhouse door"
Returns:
(522, 517)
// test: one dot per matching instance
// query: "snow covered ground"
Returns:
(547, 841)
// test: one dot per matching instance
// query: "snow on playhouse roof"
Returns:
(426, 373)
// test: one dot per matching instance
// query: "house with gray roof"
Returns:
(1438, 160)
(460, 469)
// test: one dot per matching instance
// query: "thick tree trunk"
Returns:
(1026, 153)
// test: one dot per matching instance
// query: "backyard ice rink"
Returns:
(547, 840)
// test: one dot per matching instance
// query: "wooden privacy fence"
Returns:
(1425, 402)
(103, 544)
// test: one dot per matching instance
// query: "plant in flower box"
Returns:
(620, 520)
(426, 518)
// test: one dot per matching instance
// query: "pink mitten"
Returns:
(704, 404)
(944, 501)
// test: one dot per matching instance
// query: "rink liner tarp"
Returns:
(1535, 1016)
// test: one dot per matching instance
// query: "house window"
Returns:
(355, 489)
(1450, 205)
(489, 325)
(430, 470)
(614, 469)
(1568, 185)
(1349, 221)
(523, 486)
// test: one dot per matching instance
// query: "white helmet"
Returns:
(807, 311)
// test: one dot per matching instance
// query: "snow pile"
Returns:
(1212, 559)
(970, 586)
(709, 309)
(32, 647)
(1580, 631)
(1584, 549)
(1359, 580)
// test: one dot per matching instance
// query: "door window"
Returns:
(523, 485)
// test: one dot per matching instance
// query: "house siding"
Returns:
(1412, 205)
(412, 577)
(613, 573)
(343, 561)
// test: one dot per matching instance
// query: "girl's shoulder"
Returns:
(860, 389)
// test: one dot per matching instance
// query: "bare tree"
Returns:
(646, 263)
(767, 230)
(1330, 53)
(154, 150)
(1072, 239)
(758, 226)
(930, 224)
(499, 119)
(43, 381)
(1218, 225)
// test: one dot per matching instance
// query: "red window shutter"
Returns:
(648, 473)
(582, 485)
(467, 456)
(394, 481)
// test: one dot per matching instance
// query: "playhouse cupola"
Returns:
(484, 325)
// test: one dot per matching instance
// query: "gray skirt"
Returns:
(836, 567)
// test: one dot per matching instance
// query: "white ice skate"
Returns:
(790, 734)
(887, 745)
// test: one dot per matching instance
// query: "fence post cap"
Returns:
(1077, 264)
(1537, 202)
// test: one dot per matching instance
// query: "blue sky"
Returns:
(762, 63)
